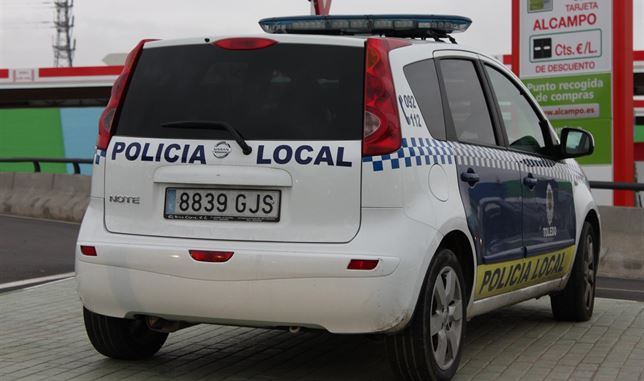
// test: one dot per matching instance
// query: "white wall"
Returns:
(600, 173)
(638, 24)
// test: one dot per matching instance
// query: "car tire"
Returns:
(577, 301)
(424, 350)
(123, 339)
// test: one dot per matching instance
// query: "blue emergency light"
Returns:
(413, 26)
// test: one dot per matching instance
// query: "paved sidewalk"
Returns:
(42, 337)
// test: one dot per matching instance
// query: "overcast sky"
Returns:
(107, 26)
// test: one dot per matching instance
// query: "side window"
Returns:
(423, 81)
(519, 119)
(470, 113)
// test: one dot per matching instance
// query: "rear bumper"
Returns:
(263, 284)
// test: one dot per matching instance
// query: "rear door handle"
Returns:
(530, 181)
(470, 177)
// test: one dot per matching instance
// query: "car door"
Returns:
(546, 184)
(489, 179)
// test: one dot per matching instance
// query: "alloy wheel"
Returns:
(446, 321)
(589, 271)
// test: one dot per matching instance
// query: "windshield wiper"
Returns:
(211, 125)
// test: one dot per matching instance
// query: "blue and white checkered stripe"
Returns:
(547, 168)
(97, 156)
(478, 156)
(413, 152)
(426, 151)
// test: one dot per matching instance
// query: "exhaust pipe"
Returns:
(294, 330)
(165, 326)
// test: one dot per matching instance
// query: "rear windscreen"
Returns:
(283, 92)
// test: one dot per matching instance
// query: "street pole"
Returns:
(623, 145)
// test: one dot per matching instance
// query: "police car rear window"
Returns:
(283, 92)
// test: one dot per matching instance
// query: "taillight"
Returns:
(363, 264)
(211, 256)
(107, 119)
(244, 43)
(381, 133)
(88, 250)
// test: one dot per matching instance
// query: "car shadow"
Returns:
(234, 353)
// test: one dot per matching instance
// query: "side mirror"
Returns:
(576, 143)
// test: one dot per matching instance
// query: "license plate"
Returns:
(222, 204)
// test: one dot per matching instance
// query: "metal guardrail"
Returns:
(636, 187)
(37, 160)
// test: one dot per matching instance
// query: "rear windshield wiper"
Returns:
(211, 125)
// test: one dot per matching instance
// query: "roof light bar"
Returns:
(388, 25)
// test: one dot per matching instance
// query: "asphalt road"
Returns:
(31, 248)
(613, 288)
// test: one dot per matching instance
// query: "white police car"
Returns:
(326, 176)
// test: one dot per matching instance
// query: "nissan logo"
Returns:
(221, 150)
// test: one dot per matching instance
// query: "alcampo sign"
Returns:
(568, 21)
(566, 62)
